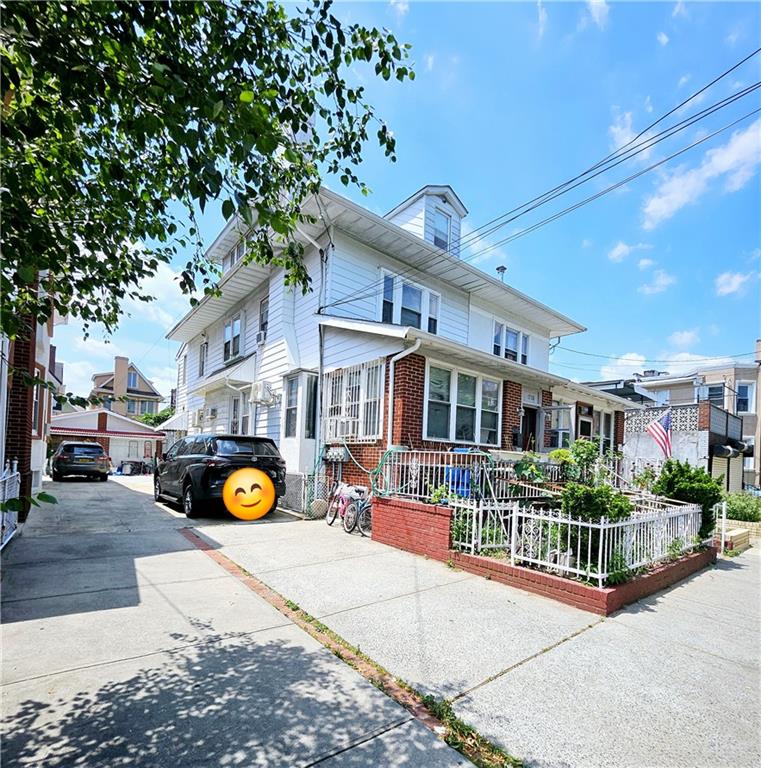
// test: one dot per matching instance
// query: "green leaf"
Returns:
(247, 96)
(228, 209)
(27, 273)
(47, 498)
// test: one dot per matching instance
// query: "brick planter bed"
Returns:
(425, 530)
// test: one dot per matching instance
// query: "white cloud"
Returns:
(471, 250)
(732, 37)
(677, 363)
(679, 9)
(735, 161)
(683, 80)
(399, 7)
(169, 304)
(644, 264)
(164, 379)
(728, 283)
(622, 134)
(77, 376)
(648, 105)
(430, 60)
(541, 13)
(663, 38)
(684, 339)
(621, 250)
(586, 243)
(660, 282)
(623, 367)
(598, 10)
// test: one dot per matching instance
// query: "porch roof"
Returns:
(240, 373)
(459, 354)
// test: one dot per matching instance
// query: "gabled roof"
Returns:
(110, 380)
(79, 420)
(383, 235)
(436, 190)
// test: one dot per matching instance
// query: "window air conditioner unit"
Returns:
(211, 414)
(261, 337)
(196, 417)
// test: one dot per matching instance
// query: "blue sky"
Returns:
(511, 99)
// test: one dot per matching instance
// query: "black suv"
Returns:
(72, 458)
(195, 468)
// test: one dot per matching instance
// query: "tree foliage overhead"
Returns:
(156, 419)
(121, 119)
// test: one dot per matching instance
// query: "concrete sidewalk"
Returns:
(671, 681)
(123, 645)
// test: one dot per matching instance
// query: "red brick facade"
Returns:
(415, 527)
(18, 437)
(618, 429)
(546, 403)
(512, 400)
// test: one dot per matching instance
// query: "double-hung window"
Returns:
(406, 303)
(715, 394)
(291, 405)
(264, 317)
(462, 407)
(442, 228)
(511, 343)
(131, 380)
(412, 305)
(235, 415)
(310, 416)
(146, 406)
(203, 353)
(37, 398)
(232, 338)
(745, 398)
(353, 400)
(131, 406)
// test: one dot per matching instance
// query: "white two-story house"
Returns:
(397, 342)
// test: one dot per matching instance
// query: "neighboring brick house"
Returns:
(26, 410)
(392, 309)
(125, 390)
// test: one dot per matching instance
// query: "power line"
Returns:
(696, 359)
(564, 187)
(629, 143)
(611, 188)
(372, 288)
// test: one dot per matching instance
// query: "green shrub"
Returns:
(593, 503)
(683, 482)
(569, 468)
(585, 454)
(527, 468)
(743, 506)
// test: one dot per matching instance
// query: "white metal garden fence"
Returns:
(10, 486)
(572, 547)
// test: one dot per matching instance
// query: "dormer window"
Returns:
(442, 228)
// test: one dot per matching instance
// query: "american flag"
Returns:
(660, 431)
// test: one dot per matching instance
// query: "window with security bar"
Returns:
(353, 402)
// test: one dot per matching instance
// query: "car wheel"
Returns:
(57, 477)
(103, 478)
(274, 504)
(156, 488)
(189, 503)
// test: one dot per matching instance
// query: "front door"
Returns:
(528, 430)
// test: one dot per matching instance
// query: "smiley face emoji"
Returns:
(248, 493)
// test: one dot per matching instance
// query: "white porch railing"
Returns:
(10, 486)
(572, 547)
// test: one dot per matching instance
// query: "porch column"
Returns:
(512, 394)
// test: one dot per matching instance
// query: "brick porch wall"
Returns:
(512, 396)
(546, 403)
(618, 428)
(412, 526)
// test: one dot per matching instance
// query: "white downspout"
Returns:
(414, 348)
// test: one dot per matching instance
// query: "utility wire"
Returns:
(611, 188)
(620, 149)
(696, 359)
(372, 288)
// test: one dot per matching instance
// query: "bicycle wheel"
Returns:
(365, 519)
(350, 517)
(334, 504)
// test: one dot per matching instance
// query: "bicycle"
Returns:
(360, 510)
(342, 496)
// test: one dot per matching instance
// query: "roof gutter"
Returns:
(392, 364)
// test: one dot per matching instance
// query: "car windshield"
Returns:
(84, 450)
(231, 446)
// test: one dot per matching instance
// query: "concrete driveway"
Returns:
(123, 645)
(671, 681)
